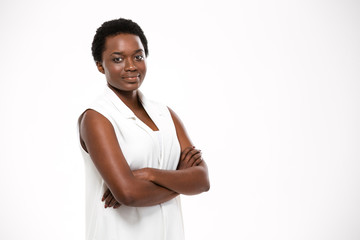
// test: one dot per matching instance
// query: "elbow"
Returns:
(126, 193)
(200, 188)
(206, 186)
(206, 181)
(129, 194)
(205, 177)
(129, 198)
(124, 197)
(203, 185)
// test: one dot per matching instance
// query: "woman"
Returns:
(138, 156)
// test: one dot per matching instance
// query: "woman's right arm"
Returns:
(98, 137)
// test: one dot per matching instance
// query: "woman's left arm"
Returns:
(188, 181)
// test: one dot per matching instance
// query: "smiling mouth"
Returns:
(135, 77)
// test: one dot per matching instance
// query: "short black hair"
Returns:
(112, 28)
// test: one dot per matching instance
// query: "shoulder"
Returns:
(99, 110)
(92, 119)
(181, 133)
(91, 116)
(174, 116)
(93, 123)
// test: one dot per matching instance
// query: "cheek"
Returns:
(114, 69)
(142, 68)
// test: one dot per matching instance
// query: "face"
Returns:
(124, 63)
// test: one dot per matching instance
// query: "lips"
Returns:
(131, 76)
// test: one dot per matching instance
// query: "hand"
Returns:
(189, 157)
(109, 199)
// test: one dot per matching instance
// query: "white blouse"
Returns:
(142, 147)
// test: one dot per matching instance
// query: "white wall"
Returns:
(269, 90)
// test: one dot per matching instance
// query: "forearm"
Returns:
(145, 193)
(190, 181)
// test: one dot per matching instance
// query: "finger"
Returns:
(106, 194)
(191, 157)
(117, 205)
(182, 164)
(112, 202)
(194, 158)
(191, 154)
(198, 161)
(185, 152)
(108, 200)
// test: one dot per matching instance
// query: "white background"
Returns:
(269, 90)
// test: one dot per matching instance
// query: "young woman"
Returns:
(138, 156)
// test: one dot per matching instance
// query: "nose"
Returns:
(129, 65)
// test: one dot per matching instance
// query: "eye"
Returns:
(139, 57)
(117, 60)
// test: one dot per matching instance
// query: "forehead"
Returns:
(123, 43)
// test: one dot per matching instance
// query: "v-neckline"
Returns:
(124, 109)
(148, 112)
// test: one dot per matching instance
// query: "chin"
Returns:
(130, 86)
(133, 86)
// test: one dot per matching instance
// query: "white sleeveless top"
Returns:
(142, 147)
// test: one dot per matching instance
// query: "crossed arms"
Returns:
(146, 186)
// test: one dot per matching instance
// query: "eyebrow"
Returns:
(122, 53)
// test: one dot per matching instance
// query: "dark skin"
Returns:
(124, 65)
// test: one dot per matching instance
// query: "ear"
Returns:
(100, 67)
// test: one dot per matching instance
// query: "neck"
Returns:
(129, 98)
